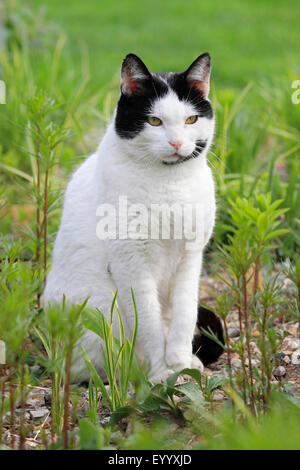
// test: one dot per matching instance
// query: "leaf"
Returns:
(192, 391)
(276, 233)
(17, 172)
(262, 223)
(194, 373)
(95, 376)
(91, 437)
(157, 398)
(92, 320)
(216, 381)
(120, 413)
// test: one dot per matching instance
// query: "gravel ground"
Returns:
(288, 358)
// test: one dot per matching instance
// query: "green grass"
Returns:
(247, 40)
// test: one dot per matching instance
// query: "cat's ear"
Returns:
(134, 74)
(198, 74)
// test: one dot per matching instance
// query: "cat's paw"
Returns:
(178, 361)
(197, 364)
(162, 377)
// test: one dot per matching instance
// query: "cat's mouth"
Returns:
(175, 158)
(171, 159)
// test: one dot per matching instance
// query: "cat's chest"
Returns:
(164, 212)
(195, 187)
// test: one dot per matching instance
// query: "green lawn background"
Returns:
(248, 40)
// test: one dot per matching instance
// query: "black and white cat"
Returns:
(152, 157)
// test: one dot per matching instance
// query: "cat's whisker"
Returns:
(211, 164)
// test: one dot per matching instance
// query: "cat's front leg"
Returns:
(151, 341)
(184, 314)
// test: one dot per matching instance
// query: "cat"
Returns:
(153, 154)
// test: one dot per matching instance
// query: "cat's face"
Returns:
(166, 117)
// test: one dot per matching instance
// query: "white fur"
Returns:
(163, 273)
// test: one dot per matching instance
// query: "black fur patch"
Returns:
(133, 109)
(178, 83)
(205, 348)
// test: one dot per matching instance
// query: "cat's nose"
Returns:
(176, 144)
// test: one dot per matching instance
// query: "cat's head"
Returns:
(168, 116)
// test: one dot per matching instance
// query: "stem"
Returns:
(298, 286)
(229, 361)
(228, 352)
(38, 211)
(264, 359)
(52, 409)
(252, 404)
(54, 403)
(12, 408)
(67, 392)
(2, 375)
(256, 274)
(242, 347)
(45, 223)
(22, 403)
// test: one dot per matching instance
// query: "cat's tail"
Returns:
(206, 349)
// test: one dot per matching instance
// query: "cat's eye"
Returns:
(154, 121)
(191, 120)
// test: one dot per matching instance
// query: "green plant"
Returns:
(120, 363)
(93, 436)
(59, 335)
(256, 224)
(264, 433)
(292, 272)
(18, 283)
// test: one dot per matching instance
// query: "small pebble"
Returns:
(38, 414)
(254, 348)
(36, 402)
(280, 371)
(291, 344)
(255, 333)
(296, 357)
(236, 363)
(218, 396)
(105, 420)
(295, 344)
(286, 359)
(233, 332)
